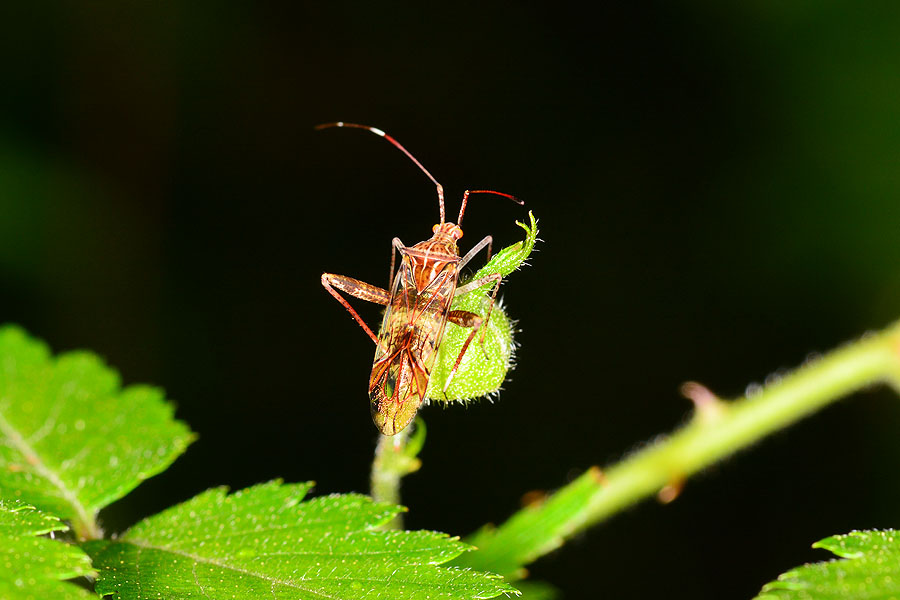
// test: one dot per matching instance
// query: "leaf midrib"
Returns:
(272, 579)
(18, 442)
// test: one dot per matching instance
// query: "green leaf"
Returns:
(71, 440)
(32, 568)
(263, 542)
(481, 372)
(533, 531)
(870, 569)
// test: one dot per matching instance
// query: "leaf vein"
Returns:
(19, 443)
(197, 581)
(360, 553)
(338, 520)
(297, 584)
(49, 423)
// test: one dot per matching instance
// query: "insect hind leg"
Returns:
(464, 318)
(497, 278)
(357, 289)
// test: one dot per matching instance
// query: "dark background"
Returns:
(718, 195)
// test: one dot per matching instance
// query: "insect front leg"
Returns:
(487, 241)
(396, 246)
(357, 289)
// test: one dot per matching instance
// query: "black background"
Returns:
(717, 189)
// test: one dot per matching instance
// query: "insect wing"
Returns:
(410, 335)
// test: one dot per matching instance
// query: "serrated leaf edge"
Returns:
(387, 510)
(789, 580)
(505, 588)
(53, 522)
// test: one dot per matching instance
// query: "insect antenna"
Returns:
(376, 131)
(465, 199)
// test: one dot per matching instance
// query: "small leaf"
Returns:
(32, 568)
(71, 440)
(510, 258)
(482, 369)
(264, 542)
(869, 568)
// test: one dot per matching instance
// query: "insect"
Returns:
(418, 308)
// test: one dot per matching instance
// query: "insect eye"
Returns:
(457, 233)
(435, 228)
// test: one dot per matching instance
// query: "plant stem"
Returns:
(87, 529)
(395, 457)
(717, 430)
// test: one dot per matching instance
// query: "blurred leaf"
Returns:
(531, 532)
(870, 569)
(537, 590)
(31, 568)
(263, 542)
(71, 440)
(481, 371)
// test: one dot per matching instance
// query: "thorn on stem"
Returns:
(670, 491)
(598, 475)
(707, 405)
(533, 499)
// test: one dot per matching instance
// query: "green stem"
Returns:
(395, 457)
(717, 430)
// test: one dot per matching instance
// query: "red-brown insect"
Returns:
(418, 308)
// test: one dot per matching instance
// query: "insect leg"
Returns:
(487, 241)
(396, 246)
(463, 318)
(357, 289)
(474, 285)
(483, 281)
